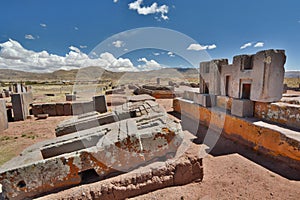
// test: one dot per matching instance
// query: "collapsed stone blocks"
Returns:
(242, 108)
(94, 119)
(3, 116)
(106, 150)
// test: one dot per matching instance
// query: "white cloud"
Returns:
(198, 47)
(76, 28)
(43, 25)
(14, 56)
(83, 46)
(148, 65)
(29, 37)
(171, 54)
(213, 46)
(118, 43)
(115, 1)
(153, 9)
(244, 46)
(156, 54)
(259, 44)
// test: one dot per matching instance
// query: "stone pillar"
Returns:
(18, 107)
(20, 104)
(100, 104)
(3, 116)
(158, 81)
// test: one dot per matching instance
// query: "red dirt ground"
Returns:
(231, 171)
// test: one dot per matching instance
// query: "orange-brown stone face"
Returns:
(252, 134)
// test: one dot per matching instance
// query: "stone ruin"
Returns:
(21, 98)
(98, 146)
(249, 79)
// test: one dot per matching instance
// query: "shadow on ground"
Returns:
(224, 146)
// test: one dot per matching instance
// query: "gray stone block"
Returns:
(68, 109)
(198, 98)
(189, 95)
(70, 97)
(3, 116)
(37, 109)
(242, 108)
(100, 103)
(18, 107)
(50, 109)
(60, 109)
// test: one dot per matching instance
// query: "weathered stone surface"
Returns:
(21, 103)
(107, 150)
(142, 97)
(49, 108)
(70, 97)
(60, 109)
(180, 170)
(68, 109)
(100, 103)
(3, 116)
(282, 113)
(115, 91)
(242, 108)
(157, 91)
(224, 102)
(37, 109)
(257, 77)
(119, 113)
(261, 136)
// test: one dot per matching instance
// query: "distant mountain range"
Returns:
(97, 73)
(292, 74)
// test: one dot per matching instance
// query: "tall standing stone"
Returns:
(3, 116)
(21, 103)
(100, 103)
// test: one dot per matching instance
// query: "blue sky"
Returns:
(221, 27)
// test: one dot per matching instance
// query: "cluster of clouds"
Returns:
(249, 44)
(198, 47)
(148, 65)
(14, 56)
(154, 8)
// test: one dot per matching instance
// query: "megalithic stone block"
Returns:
(242, 108)
(106, 150)
(20, 104)
(3, 116)
(100, 103)
(18, 107)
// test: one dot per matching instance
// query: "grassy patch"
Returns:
(7, 152)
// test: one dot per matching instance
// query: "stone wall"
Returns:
(62, 108)
(282, 113)
(264, 137)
